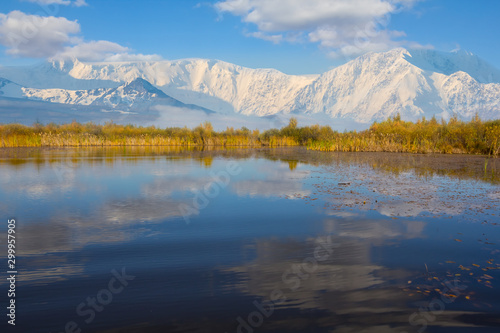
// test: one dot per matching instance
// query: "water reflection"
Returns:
(427, 166)
(347, 282)
(352, 290)
(281, 181)
(82, 212)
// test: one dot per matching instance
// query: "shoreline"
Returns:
(475, 137)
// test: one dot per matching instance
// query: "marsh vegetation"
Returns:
(392, 135)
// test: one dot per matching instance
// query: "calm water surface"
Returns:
(246, 240)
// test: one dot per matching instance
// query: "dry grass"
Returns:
(110, 134)
(393, 135)
(423, 136)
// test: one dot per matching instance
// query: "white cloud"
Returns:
(342, 27)
(35, 36)
(102, 50)
(276, 39)
(91, 51)
(125, 56)
(80, 3)
(76, 3)
(283, 15)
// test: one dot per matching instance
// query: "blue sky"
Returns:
(294, 36)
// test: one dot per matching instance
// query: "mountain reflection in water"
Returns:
(205, 251)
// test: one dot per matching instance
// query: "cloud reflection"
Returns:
(345, 284)
(140, 210)
(270, 188)
(280, 181)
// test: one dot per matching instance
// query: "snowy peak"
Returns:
(136, 95)
(412, 83)
(432, 61)
(4, 82)
(10, 89)
(61, 65)
(138, 92)
(452, 62)
(143, 88)
(54, 75)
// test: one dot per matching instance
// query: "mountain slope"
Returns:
(53, 74)
(137, 95)
(216, 85)
(378, 85)
(448, 63)
(9, 88)
(372, 87)
(463, 95)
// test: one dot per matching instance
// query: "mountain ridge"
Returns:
(136, 95)
(414, 83)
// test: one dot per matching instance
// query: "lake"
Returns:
(166, 239)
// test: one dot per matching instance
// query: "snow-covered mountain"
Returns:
(372, 87)
(378, 85)
(136, 95)
(215, 85)
(10, 89)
